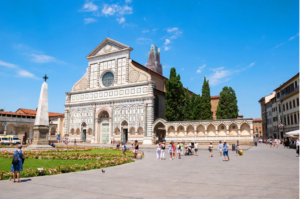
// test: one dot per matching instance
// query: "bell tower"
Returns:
(154, 60)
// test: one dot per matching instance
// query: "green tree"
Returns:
(196, 110)
(206, 113)
(227, 106)
(174, 101)
(1, 109)
(187, 106)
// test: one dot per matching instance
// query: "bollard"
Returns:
(233, 147)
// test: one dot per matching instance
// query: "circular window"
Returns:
(108, 79)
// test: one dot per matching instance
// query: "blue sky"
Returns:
(252, 46)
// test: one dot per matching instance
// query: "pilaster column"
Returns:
(150, 119)
(184, 132)
(175, 133)
(4, 129)
(94, 113)
(31, 132)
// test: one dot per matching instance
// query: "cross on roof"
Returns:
(45, 77)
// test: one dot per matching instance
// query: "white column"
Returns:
(31, 132)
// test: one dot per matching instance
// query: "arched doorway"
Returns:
(124, 127)
(103, 130)
(159, 132)
(83, 136)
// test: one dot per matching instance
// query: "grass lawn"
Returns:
(5, 163)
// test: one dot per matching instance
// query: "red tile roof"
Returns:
(215, 97)
(257, 120)
(29, 112)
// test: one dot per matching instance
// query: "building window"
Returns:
(284, 120)
(294, 104)
(279, 108)
(296, 85)
(292, 119)
(288, 120)
(283, 107)
(297, 101)
(287, 106)
(108, 79)
(291, 105)
(295, 118)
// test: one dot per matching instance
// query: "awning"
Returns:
(295, 133)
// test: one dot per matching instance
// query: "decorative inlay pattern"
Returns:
(134, 76)
(83, 84)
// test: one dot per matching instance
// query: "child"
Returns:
(220, 147)
(158, 148)
(170, 146)
(162, 151)
(196, 149)
(174, 150)
(178, 150)
(210, 147)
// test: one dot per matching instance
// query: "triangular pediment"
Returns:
(108, 46)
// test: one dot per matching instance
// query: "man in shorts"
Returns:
(225, 151)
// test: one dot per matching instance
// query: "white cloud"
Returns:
(89, 20)
(290, 39)
(9, 65)
(128, 1)
(172, 29)
(143, 40)
(167, 48)
(89, 7)
(116, 9)
(293, 37)
(182, 68)
(252, 64)
(121, 20)
(219, 76)
(145, 31)
(24, 73)
(42, 58)
(167, 41)
(145, 19)
(201, 68)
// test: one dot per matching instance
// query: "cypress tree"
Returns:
(196, 110)
(174, 97)
(206, 113)
(187, 106)
(227, 106)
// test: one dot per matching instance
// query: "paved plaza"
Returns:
(261, 173)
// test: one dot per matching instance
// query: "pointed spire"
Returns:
(154, 60)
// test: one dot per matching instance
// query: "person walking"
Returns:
(158, 150)
(136, 148)
(170, 146)
(270, 142)
(178, 150)
(225, 151)
(174, 149)
(17, 166)
(210, 148)
(181, 149)
(278, 143)
(237, 148)
(220, 148)
(196, 148)
(162, 151)
(75, 142)
(124, 149)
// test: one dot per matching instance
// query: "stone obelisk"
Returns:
(41, 123)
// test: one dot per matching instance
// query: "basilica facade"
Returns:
(118, 98)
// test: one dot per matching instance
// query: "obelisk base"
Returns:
(40, 138)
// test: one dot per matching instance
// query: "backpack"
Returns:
(125, 148)
(15, 160)
(179, 147)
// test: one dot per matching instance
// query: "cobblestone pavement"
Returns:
(260, 173)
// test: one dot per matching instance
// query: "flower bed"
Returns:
(12, 146)
(66, 169)
(60, 154)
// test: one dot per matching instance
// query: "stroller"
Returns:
(189, 151)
